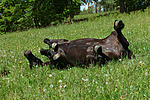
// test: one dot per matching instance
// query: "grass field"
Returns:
(128, 79)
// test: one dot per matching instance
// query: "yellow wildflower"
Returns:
(20, 62)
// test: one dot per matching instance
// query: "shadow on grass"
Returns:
(86, 19)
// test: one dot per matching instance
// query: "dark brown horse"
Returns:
(84, 51)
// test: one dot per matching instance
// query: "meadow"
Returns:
(128, 79)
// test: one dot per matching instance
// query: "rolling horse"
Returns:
(81, 52)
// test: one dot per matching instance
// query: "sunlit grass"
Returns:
(128, 79)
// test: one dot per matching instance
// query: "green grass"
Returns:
(128, 79)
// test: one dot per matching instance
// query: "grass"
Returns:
(128, 79)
